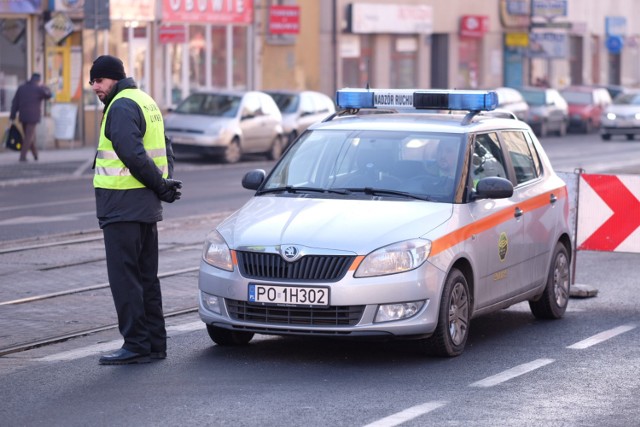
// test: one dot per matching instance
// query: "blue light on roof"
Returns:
(416, 99)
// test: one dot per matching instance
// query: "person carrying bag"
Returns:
(12, 138)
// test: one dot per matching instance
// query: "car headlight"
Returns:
(611, 116)
(395, 258)
(392, 312)
(216, 252)
(637, 116)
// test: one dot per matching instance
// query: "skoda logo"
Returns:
(290, 253)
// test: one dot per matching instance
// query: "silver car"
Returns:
(622, 117)
(548, 110)
(301, 109)
(405, 224)
(226, 124)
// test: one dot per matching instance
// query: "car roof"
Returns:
(444, 122)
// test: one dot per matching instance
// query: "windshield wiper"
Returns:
(292, 189)
(384, 192)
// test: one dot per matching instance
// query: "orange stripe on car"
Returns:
(455, 237)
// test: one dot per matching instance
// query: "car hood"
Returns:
(623, 109)
(194, 123)
(355, 226)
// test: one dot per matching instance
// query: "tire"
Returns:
(630, 137)
(233, 153)
(562, 131)
(544, 129)
(552, 304)
(605, 137)
(452, 331)
(292, 137)
(275, 151)
(222, 336)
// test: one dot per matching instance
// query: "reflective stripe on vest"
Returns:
(110, 172)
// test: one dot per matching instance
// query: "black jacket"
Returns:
(27, 101)
(125, 126)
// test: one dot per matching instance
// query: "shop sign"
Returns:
(474, 25)
(614, 44)
(548, 45)
(284, 19)
(515, 13)
(172, 34)
(12, 29)
(208, 11)
(615, 25)
(59, 27)
(24, 6)
(391, 18)
(516, 39)
(71, 7)
(549, 8)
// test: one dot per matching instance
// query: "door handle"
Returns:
(553, 198)
(518, 213)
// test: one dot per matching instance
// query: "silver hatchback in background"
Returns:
(226, 124)
(622, 117)
(510, 99)
(301, 109)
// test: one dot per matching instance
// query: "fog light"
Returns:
(211, 302)
(391, 312)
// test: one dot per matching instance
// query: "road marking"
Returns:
(406, 415)
(511, 373)
(602, 336)
(111, 345)
(45, 219)
(41, 205)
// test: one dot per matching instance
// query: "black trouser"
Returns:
(132, 266)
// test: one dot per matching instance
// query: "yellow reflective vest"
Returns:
(110, 171)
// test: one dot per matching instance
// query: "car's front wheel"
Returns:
(276, 149)
(553, 302)
(233, 152)
(452, 331)
(222, 336)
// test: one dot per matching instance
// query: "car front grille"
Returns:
(303, 316)
(310, 268)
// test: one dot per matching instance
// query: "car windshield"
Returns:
(218, 105)
(533, 98)
(398, 164)
(287, 103)
(580, 98)
(627, 99)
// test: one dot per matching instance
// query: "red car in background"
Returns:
(586, 105)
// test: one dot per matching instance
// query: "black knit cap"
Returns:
(107, 67)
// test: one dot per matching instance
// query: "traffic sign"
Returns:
(609, 213)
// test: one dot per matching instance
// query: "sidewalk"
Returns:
(53, 164)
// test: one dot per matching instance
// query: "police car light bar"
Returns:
(417, 99)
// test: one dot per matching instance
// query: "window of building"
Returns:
(404, 62)
(240, 58)
(357, 61)
(13, 61)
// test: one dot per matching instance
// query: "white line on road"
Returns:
(111, 345)
(602, 336)
(406, 415)
(511, 373)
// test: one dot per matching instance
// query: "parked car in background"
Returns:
(226, 124)
(512, 100)
(548, 110)
(301, 109)
(622, 117)
(614, 90)
(586, 105)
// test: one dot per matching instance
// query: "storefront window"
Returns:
(240, 65)
(357, 62)
(469, 53)
(197, 58)
(404, 62)
(13, 61)
(174, 59)
(219, 56)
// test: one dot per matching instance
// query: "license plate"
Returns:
(289, 295)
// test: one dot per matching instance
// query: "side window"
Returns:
(535, 155)
(521, 156)
(487, 157)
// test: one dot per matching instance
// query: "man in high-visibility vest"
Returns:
(133, 169)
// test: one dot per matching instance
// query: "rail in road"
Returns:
(56, 289)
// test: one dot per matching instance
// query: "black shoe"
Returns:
(158, 355)
(124, 357)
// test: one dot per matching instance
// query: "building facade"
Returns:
(175, 47)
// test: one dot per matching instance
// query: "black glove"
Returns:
(170, 190)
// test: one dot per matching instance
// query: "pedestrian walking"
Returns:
(133, 170)
(27, 105)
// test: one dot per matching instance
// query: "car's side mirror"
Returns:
(252, 180)
(493, 187)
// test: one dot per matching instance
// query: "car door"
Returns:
(251, 124)
(535, 204)
(499, 242)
